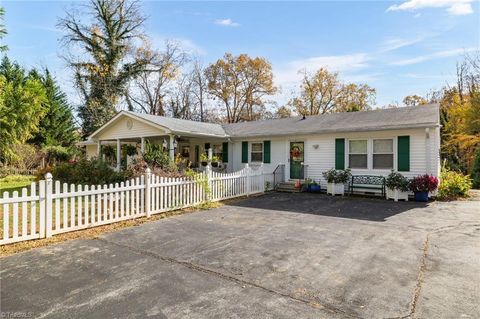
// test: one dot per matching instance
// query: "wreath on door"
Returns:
(295, 152)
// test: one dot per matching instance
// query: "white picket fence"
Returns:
(60, 208)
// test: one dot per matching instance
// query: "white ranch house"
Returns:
(405, 139)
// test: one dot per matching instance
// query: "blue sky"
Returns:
(397, 47)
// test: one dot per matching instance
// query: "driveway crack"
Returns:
(312, 303)
(420, 277)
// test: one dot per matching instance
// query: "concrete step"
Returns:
(288, 190)
(287, 187)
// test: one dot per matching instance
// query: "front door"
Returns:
(296, 160)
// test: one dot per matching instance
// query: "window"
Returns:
(383, 154)
(256, 154)
(357, 154)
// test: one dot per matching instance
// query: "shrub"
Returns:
(475, 174)
(337, 176)
(424, 183)
(26, 156)
(396, 180)
(54, 154)
(453, 184)
(139, 166)
(154, 156)
(89, 171)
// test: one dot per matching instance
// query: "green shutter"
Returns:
(244, 152)
(339, 153)
(403, 154)
(266, 152)
(225, 152)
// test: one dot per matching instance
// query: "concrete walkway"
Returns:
(274, 256)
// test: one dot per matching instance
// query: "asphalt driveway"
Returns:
(273, 256)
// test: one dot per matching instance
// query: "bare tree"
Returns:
(199, 88)
(148, 93)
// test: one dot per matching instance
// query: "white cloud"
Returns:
(227, 23)
(332, 62)
(455, 7)
(461, 9)
(187, 45)
(397, 43)
(436, 55)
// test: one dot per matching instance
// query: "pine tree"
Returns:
(57, 127)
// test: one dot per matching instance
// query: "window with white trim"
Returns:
(358, 153)
(383, 153)
(256, 152)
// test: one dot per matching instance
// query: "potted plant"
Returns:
(397, 186)
(298, 184)
(215, 161)
(314, 187)
(307, 184)
(336, 180)
(422, 185)
(203, 159)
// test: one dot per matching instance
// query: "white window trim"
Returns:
(370, 153)
(250, 151)
(393, 153)
(347, 153)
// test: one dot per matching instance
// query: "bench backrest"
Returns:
(368, 179)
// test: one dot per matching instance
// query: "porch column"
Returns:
(99, 148)
(428, 142)
(119, 154)
(171, 149)
(142, 145)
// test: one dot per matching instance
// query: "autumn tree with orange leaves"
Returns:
(241, 84)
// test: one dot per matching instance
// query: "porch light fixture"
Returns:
(315, 146)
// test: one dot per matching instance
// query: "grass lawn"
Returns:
(13, 183)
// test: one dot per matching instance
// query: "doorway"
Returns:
(296, 160)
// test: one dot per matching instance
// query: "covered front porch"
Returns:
(128, 135)
(191, 149)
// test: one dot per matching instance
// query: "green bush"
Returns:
(54, 154)
(453, 184)
(91, 172)
(155, 156)
(476, 170)
(337, 176)
(396, 180)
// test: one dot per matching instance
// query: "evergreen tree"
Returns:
(57, 127)
(22, 106)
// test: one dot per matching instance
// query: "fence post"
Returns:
(249, 179)
(48, 205)
(208, 191)
(148, 177)
(41, 204)
(261, 187)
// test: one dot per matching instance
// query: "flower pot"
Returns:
(214, 164)
(298, 184)
(314, 188)
(204, 163)
(421, 196)
(396, 194)
(335, 189)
